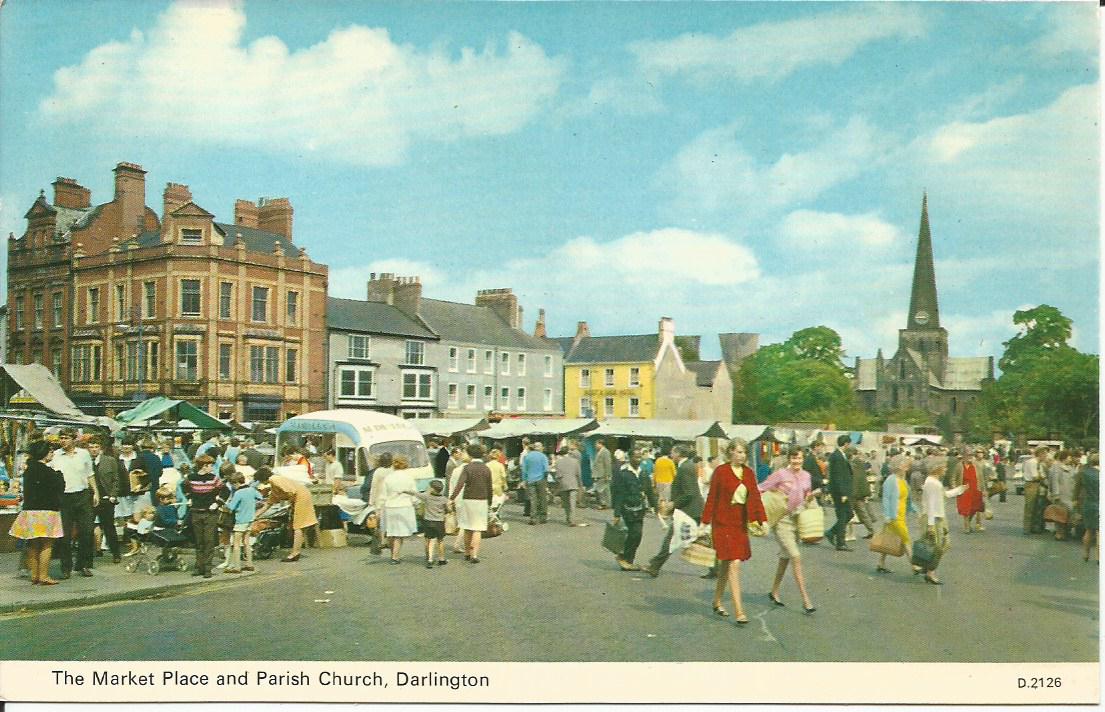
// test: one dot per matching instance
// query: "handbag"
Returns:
(775, 506)
(811, 525)
(1056, 513)
(494, 529)
(226, 518)
(451, 523)
(700, 552)
(887, 542)
(372, 521)
(613, 539)
(925, 553)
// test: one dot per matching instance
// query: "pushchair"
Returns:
(171, 544)
(269, 532)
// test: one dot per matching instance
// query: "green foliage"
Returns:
(1042, 329)
(688, 347)
(1046, 388)
(819, 343)
(905, 416)
(800, 379)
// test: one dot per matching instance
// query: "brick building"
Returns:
(123, 302)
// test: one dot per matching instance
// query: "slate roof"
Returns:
(966, 373)
(470, 324)
(564, 342)
(737, 346)
(68, 218)
(704, 372)
(373, 318)
(615, 349)
(256, 240)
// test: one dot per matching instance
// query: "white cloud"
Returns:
(356, 97)
(715, 172)
(978, 334)
(1036, 174)
(1073, 28)
(818, 231)
(633, 96)
(773, 50)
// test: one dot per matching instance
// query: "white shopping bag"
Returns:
(686, 530)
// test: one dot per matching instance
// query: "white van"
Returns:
(359, 437)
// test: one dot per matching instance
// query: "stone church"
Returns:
(921, 374)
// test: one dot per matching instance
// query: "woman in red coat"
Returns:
(971, 504)
(733, 502)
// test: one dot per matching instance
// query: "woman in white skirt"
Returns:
(399, 518)
(40, 521)
(475, 502)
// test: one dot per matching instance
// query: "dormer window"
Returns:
(191, 236)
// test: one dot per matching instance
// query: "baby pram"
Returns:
(171, 544)
(270, 531)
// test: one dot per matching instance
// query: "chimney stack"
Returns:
(666, 330)
(539, 329)
(381, 288)
(245, 213)
(175, 196)
(68, 193)
(130, 193)
(407, 295)
(275, 215)
(582, 332)
(503, 302)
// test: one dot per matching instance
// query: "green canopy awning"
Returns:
(183, 410)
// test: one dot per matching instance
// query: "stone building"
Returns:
(125, 303)
(482, 360)
(921, 374)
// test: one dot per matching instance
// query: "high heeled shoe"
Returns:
(810, 609)
(719, 611)
(774, 600)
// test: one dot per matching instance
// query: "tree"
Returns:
(800, 379)
(1042, 329)
(819, 343)
(687, 347)
(1046, 387)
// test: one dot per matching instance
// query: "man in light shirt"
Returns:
(75, 465)
(1034, 470)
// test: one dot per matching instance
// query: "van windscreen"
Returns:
(413, 451)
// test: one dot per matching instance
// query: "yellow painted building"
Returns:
(639, 376)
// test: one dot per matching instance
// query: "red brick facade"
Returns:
(231, 317)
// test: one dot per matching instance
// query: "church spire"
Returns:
(923, 310)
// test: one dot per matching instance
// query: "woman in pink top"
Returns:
(794, 483)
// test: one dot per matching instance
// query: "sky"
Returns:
(734, 166)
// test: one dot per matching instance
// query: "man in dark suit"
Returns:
(840, 487)
(687, 498)
(809, 464)
(109, 474)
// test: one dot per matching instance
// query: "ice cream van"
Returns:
(359, 437)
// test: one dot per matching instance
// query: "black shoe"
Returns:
(100, 553)
(86, 573)
(774, 600)
(711, 574)
(844, 548)
(116, 559)
(208, 574)
(429, 564)
(442, 562)
(473, 560)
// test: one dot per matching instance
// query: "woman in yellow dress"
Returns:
(896, 503)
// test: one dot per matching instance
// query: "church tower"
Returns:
(923, 333)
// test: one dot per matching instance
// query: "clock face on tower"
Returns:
(921, 317)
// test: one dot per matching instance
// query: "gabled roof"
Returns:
(564, 342)
(190, 209)
(704, 371)
(255, 240)
(615, 349)
(470, 324)
(966, 373)
(373, 318)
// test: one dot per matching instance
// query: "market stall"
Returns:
(449, 427)
(161, 413)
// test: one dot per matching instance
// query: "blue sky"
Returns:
(738, 167)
